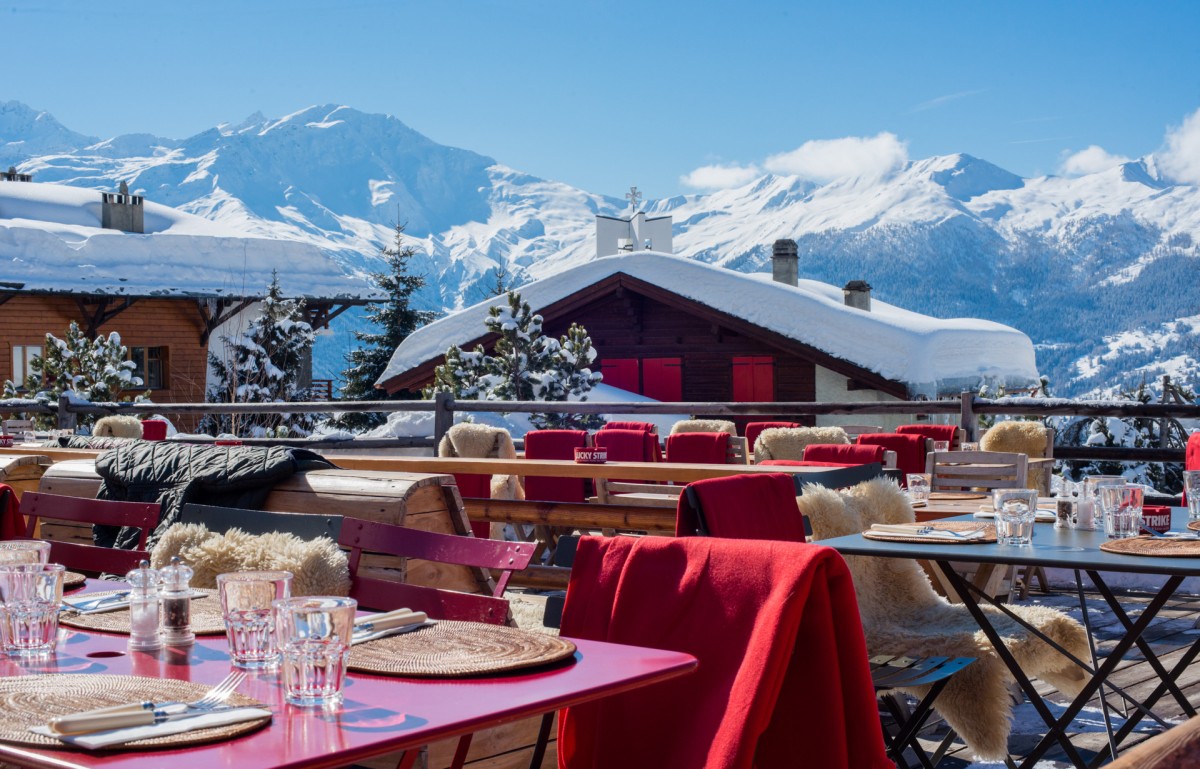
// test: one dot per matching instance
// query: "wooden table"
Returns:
(1079, 551)
(380, 715)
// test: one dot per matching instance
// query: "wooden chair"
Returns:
(856, 430)
(610, 492)
(693, 446)
(361, 536)
(950, 433)
(37, 507)
(754, 428)
(976, 470)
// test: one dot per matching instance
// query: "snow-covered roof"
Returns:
(928, 354)
(51, 240)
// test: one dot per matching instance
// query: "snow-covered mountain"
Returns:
(1096, 269)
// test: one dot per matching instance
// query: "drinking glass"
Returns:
(1191, 485)
(941, 445)
(1016, 510)
(918, 486)
(14, 551)
(32, 594)
(970, 446)
(1122, 509)
(247, 599)
(314, 637)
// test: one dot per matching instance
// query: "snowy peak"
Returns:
(964, 177)
(26, 132)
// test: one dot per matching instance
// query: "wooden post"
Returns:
(967, 420)
(443, 417)
(66, 417)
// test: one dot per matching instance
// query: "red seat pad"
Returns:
(758, 506)
(785, 683)
(701, 448)
(851, 454)
(554, 444)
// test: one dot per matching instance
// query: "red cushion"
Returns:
(910, 450)
(628, 445)
(785, 683)
(747, 506)
(702, 448)
(851, 454)
(646, 427)
(947, 433)
(754, 428)
(554, 444)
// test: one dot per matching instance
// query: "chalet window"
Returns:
(753, 379)
(149, 363)
(662, 379)
(622, 373)
(23, 355)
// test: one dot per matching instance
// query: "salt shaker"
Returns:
(177, 603)
(144, 608)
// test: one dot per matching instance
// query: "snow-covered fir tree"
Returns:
(262, 364)
(96, 370)
(524, 365)
(392, 321)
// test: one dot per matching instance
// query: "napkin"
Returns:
(97, 740)
(85, 600)
(362, 637)
(917, 530)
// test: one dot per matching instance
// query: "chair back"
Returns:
(952, 434)
(705, 448)
(758, 506)
(976, 470)
(786, 677)
(36, 507)
(910, 449)
(789, 442)
(856, 430)
(480, 441)
(704, 426)
(628, 445)
(754, 428)
(646, 427)
(361, 536)
(852, 454)
(554, 444)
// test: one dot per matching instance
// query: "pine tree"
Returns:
(263, 365)
(97, 370)
(395, 319)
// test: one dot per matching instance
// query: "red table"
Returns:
(380, 714)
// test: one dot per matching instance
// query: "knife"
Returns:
(86, 723)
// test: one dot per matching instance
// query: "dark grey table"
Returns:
(1079, 551)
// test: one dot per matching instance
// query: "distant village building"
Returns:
(166, 281)
(675, 329)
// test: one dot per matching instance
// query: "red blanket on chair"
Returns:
(784, 684)
(759, 506)
(849, 454)
(910, 450)
(935, 432)
(628, 445)
(554, 444)
(12, 525)
(701, 448)
(645, 427)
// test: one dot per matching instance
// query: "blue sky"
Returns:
(602, 95)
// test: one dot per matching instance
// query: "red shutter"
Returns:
(662, 379)
(621, 373)
(753, 379)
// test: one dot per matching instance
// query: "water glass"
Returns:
(970, 446)
(1016, 510)
(1122, 509)
(32, 595)
(247, 599)
(918, 486)
(14, 551)
(1191, 486)
(314, 636)
(941, 445)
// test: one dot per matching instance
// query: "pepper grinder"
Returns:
(177, 603)
(144, 608)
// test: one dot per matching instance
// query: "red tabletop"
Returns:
(380, 714)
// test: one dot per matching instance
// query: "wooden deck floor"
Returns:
(1169, 635)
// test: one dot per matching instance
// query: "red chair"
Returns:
(1191, 459)
(653, 453)
(628, 445)
(947, 433)
(702, 448)
(754, 428)
(648, 427)
(847, 454)
(758, 506)
(154, 430)
(554, 444)
(910, 450)
(477, 487)
(361, 536)
(785, 682)
(91, 558)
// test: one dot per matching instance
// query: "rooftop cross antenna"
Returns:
(633, 196)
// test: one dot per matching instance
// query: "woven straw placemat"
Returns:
(458, 649)
(936, 495)
(72, 579)
(27, 701)
(1161, 547)
(1194, 525)
(988, 538)
(206, 616)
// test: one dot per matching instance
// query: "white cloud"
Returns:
(720, 177)
(827, 159)
(1180, 159)
(1092, 160)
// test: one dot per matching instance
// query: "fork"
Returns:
(144, 713)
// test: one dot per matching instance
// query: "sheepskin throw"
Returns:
(1028, 438)
(901, 614)
(318, 567)
(118, 426)
(789, 442)
(704, 426)
(467, 439)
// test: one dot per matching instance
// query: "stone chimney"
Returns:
(785, 263)
(12, 175)
(122, 211)
(857, 294)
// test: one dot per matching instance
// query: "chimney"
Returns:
(122, 211)
(12, 175)
(857, 294)
(785, 264)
